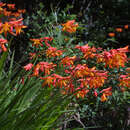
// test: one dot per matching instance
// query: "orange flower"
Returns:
(36, 70)
(81, 71)
(103, 97)
(128, 70)
(2, 42)
(32, 55)
(21, 11)
(53, 52)
(56, 80)
(16, 14)
(28, 66)
(5, 28)
(87, 51)
(106, 92)
(100, 58)
(111, 34)
(81, 92)
(95, 93)
(60, 81)
(46, 67)
(70, 26)
(1, 10)
(126, 26)
(18, 29)
(12, 19)
(11, 6)
(2, 4)
(114, 57)
(16, 22)
(67, 61)
(46, 40)
(48, 81)
(37, 42)
(18, 25)
(123, 50)
(124, 81)
(119, 29)
(7, 13)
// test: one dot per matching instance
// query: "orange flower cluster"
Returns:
(9, 26)
(89, 77)
(12, 25)
(87, 51)
(79, 79)
(6, 10)
(72, 77)
(114, 57)
(86, 78)
(58, 81)
(50, 52)
(70, 26)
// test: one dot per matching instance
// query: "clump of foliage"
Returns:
(23, 106)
